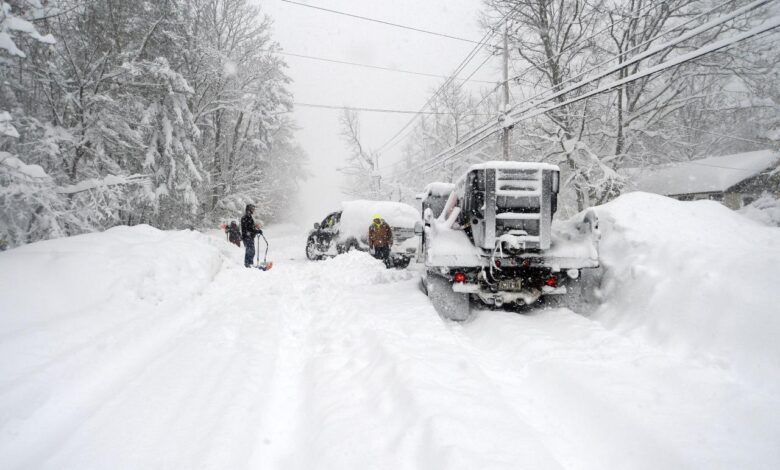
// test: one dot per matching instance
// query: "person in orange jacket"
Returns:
(380, 239)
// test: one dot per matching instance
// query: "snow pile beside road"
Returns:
(693, 276)
(83, 315)
(358, 268)
(58, 278)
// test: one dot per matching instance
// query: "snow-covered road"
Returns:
(161, 351)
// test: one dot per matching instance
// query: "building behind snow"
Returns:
(734, 180)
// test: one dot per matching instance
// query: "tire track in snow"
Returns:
(377, 397)
(199, 394)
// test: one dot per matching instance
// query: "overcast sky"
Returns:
(312, 32)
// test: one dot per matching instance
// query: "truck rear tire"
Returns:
(449, 304)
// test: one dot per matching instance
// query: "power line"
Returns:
(615, 56)
(680, 59)
(485, 38)
(344, 62)
(387, 23)
(650, 52)
(534, 110)
(438, 91)
(682, 37)
(373, 110)
(718, 134)
(497, 86)
(468, 112)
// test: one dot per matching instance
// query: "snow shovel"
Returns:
(265, 265)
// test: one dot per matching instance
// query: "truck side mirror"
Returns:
(316, 225)
(418, 228)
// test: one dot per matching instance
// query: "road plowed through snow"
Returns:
(173, 355)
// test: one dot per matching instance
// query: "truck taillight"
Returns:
(498, 263)
(551, 281)
(459, 277)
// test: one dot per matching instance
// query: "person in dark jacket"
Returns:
(248, 231)
(233, 233)
(380, 239)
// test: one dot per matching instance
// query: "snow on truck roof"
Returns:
(712, 174)
(502, 165)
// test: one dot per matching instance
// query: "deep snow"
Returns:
(136, 348)
(694, 277)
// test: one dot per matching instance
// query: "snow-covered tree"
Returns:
(362, 164)
(161, 112)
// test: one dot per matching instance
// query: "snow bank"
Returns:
(357, 268)
(70, 282)
(81, 317)
(356, 216)
(693, 276)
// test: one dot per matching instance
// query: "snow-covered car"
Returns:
(347, 229)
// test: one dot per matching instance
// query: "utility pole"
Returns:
(502, 118)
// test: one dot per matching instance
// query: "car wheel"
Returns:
(311, 250)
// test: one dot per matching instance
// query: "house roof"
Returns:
(712, 174)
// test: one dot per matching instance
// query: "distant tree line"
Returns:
(166, 112)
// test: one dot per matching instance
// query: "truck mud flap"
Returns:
(449, 304)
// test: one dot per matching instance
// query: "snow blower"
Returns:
(265, 265)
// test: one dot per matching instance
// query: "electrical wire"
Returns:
(682, 37)
(485, 38)
(499, 84)
(566, 49)
(650, 52)
(375, 110)
(377, 67)
(438, 91)
(531, 112)
(469, 112)
(387, 23)
(718, 134)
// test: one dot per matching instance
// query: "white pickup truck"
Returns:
(494, 240)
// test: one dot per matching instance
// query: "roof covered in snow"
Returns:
(712, 174)
(503, 165)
